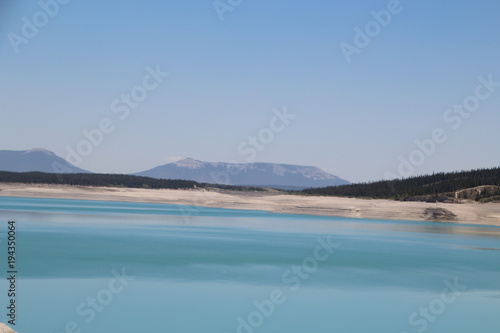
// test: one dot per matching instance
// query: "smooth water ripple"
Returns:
(123, 267)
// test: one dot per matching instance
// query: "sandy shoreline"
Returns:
(471, 213)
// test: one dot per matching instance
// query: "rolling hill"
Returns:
(37, 159)
(280, 176)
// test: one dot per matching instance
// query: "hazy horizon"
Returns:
(348, 87)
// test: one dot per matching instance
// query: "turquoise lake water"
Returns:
(101, 267)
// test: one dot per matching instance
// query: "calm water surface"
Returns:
(100, 267)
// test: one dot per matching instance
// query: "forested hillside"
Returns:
(429, 185)
(113, 180)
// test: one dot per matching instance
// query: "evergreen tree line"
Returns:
(94, 179)
(109, 180)
(434, 185)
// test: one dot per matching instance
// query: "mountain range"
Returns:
(37, 159)
(281, 176)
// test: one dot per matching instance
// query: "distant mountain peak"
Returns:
(40, 150)
(190, 163)
(285, 176)
(36, 159)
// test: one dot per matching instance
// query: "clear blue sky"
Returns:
(226, 77)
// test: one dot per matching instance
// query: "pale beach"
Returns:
(467, 212)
